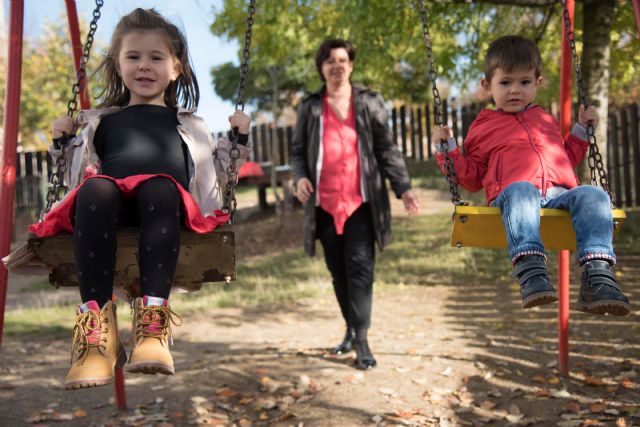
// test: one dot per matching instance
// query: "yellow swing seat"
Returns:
(203, 258)
(481, 227)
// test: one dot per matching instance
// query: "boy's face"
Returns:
(513, 91)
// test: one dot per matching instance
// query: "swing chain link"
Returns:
(594, 158)
(450, 171)
(230, 203)
(57, 188)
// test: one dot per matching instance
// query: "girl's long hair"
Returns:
(184, 91)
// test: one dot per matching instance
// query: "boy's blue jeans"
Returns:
(590, 210)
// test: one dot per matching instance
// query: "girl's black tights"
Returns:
(100, 209)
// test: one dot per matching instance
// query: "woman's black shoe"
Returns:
(364, 357)
(347, 343)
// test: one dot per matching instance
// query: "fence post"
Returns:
(403, 129)
(427, 117)
(635, 141)
(420, 134)
(626, 155)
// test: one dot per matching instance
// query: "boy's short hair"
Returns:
(324, 51)
(511, 53)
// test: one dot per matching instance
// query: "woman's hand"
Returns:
(588, 114)
(63, 126)
(304, 188)
(411, 204)
(240, 120)
(440, 134)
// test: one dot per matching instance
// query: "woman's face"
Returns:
(337, 67)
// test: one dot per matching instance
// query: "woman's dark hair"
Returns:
(511, 53)
(324, 51)
(183, 91)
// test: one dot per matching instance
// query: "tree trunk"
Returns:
(597, 20)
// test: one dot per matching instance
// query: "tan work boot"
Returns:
(96, 349)
(151, 335)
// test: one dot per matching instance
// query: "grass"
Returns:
(420, 255)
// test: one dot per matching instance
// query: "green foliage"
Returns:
(391, 56)
(47, 78)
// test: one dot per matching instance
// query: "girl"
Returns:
(143, 158)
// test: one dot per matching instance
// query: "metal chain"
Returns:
(450, 171)
(230, 203)
(595, 159)
(57, 188)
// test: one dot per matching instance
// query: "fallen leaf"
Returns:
(571, 407)
(79, 413)
(447, 372)
(245, 400)
(226, 393)
(554, 380)
(488, 404)
(261, 371)
(626, 383)
(514, 410)
(589, 422)
(597, 407)
(543, 392)
(589, 380)
(264, 416)
(539, 379)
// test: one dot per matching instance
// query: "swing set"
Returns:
(473, 226)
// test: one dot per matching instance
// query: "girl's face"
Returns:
(146, 66)
(513, 91)
(337, 67)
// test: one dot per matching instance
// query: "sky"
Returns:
(194, 18)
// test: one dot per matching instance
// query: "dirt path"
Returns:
(449, 355)
(445, 358)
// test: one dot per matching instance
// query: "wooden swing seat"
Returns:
(203, 258)
(481, 227)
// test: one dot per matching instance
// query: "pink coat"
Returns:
(502, 148)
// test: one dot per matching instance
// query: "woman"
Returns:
(342, 150)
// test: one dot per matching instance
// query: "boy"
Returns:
(517, 154)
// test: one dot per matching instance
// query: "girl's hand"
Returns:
(240, 120)
(63, 126)
(440, 134)
(304, 188)
(588, 114)
(411, 204)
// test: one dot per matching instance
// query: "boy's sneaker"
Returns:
(151, 335)
(96, 349)
(599, 292)
(531, 271)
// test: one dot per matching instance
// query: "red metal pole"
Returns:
(636, 8)
(563, 255)
(76, 47)
(11, 124)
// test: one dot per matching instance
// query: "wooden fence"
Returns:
(411, 128)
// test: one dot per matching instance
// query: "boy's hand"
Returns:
(240, 120)
(63, 126)
(440, 134)
(586, 115)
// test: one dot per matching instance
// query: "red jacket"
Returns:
(502, 148)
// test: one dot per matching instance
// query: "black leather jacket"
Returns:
(379, 157)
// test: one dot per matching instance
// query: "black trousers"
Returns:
(350, 258)
(100, 209)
